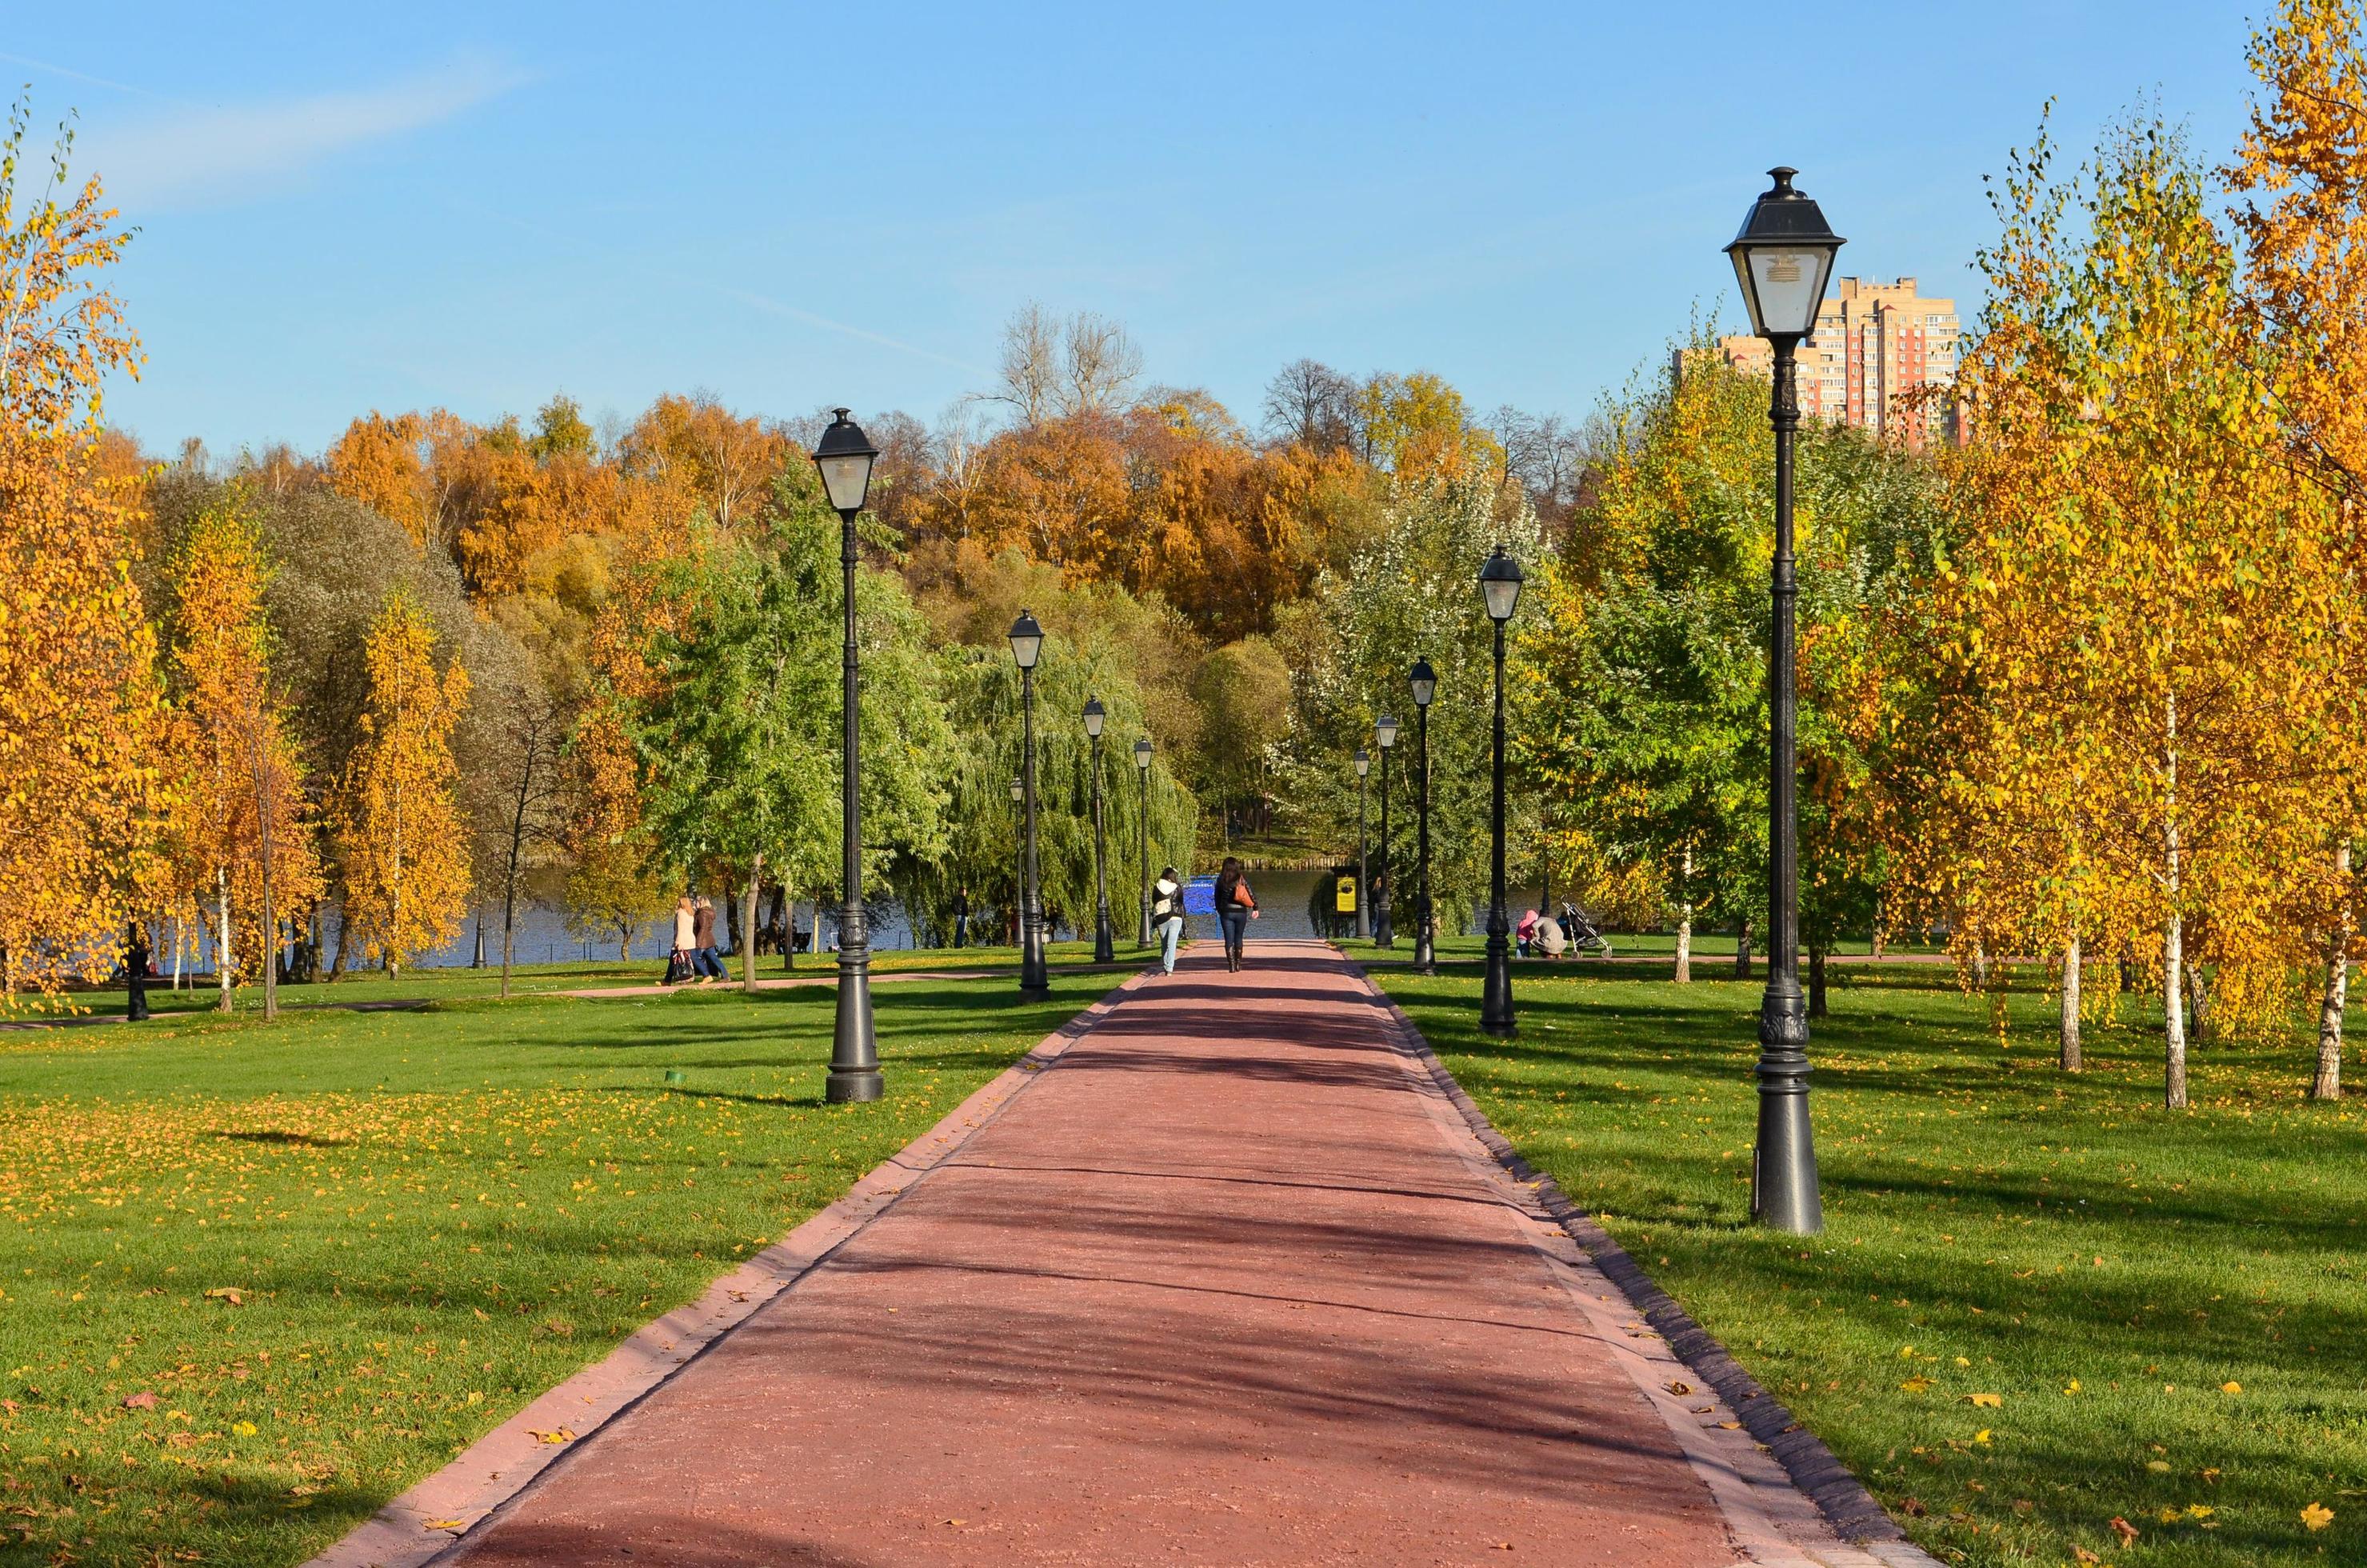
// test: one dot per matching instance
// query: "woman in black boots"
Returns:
(1236, 907)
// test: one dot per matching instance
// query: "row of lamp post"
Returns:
(1782, 258)
(1500, 589)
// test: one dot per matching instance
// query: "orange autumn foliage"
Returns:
(81, 799)
(406, 848)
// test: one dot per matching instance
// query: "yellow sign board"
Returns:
(1344, 895)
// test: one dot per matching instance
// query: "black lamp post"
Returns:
(845, 456)
(1384, 729)
(1782, 258)
(1026, 646)
(1424, 681)
(1105, 950)
(1364, 885)
(1500, 587)
(1142, 834)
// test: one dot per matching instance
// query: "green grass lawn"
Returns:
(426, 1217)
(456, 983)
(2169, 1307)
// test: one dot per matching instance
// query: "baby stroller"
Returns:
(1584, 939)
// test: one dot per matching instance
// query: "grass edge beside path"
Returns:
(338, 1249)
(2041, 1305)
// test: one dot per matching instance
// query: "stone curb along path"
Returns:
(1743, 1481)
(423, 1524)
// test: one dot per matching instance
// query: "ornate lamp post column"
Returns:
(1500, 587)
(1364, 884)
(1782, 258)
(1142, 836)
(1105, 950)
(1384, 729)
(1018, 834)
(845, 456)
(1026, 646)
(1424, 681)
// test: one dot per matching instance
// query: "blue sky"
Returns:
(472, 206)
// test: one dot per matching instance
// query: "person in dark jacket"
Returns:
(703, 955)
(1236, 907)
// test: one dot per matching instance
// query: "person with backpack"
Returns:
(1167, 915)
(1236, 907)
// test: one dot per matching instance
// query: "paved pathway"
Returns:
(1229, 1281)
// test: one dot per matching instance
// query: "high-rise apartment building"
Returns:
(1874, 344)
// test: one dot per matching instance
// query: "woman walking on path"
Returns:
(685, 931)
(1236, 907)
(1167, 915)
(703, 955)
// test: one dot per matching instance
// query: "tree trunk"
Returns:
(180, 940)
(1742, 952)
(2173, 1015)
(2328, 1084)
(2173, 935)
(1880, 930)
(337, 965)
(731, 907)
(788, 926)
(748, 925)
(221, 938)
(2069, 1025)
(2198, 1004)
(1816, 982)
(1686, 923)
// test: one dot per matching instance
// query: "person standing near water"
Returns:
(1236, 907)
(1167, 915)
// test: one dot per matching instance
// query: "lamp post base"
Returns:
(1496, 1016)
(1783, 1194)
(854, 1073)
(1105, 946)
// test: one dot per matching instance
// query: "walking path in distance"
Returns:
(1226, 1281)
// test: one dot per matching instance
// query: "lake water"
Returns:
(542, 935)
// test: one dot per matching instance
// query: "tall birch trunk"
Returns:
(2070, 1025)
(1685, 925)
(1816, 982)
(2173, 954)
(222, 938)
(2328, 1084)
(747, 938)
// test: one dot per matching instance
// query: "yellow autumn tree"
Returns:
(2147, 610)
(2302, 166)
(81, 799)
(405, 847)
(245, 842)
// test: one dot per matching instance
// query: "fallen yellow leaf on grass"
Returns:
(230, 1293)
(2231, 1387)
(1986, 1400)
(2317, 1516)
(1916, 1385)
(2126, 1530)
(2159, 1467)
(2200, 1510)
(1982, 1436)
(2071, 1387)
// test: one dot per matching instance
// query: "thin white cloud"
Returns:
(235, 153)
